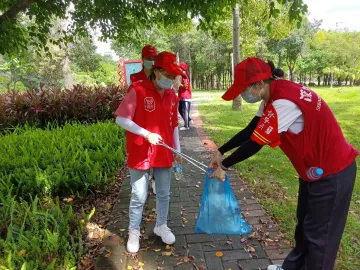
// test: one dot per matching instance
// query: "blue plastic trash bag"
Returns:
(220, 212)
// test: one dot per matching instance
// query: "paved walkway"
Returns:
(193, 251)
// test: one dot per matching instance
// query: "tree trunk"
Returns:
(318, 78)
(68, 81)
(218, 81)
(291, 74)
(190, 71)
(212, 81)
(280, 60)
(237, 102)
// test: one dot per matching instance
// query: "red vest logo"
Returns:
(149, 103)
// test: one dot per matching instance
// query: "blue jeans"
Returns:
(139, 190)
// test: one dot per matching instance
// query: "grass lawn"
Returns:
(271, 175)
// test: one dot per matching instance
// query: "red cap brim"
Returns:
(174, 70)
(233, 91)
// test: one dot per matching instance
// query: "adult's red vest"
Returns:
(321, 143)
(140, 76)
(158, 115)
(185, 90)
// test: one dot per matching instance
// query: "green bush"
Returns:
(38, 235)
(59, 161)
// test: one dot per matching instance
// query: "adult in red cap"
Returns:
(148, 112)
(299, 121)
(184, 95)
(148, 55)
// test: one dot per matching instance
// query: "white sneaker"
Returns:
(133, 244)
(275, 267)
(184, 128)
(165, 233)
(191, 122)
(153, 186)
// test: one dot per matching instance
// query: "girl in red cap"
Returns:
(148, 55)
(184, 95)
(149, 115)
(299, 121)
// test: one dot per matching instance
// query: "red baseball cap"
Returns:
(167, 61)
(184, 66)
(249, 71)
(148, 51)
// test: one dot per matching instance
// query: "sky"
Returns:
(345, 13)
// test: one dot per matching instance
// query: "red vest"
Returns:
(157, 115)
(185, 91)
(321, 143)
(140, 76)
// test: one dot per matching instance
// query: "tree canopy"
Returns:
(29, 22)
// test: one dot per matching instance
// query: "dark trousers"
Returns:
(321, 213)
(184, 110)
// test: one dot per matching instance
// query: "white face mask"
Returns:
(248, 97)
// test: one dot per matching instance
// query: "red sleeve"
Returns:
(127, 106)
(266, 132)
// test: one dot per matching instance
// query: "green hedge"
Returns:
(59, 161)
(36, 163)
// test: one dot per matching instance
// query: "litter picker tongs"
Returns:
(194, 162)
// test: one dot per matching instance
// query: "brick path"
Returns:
(193, 251)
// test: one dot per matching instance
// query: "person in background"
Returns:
(299, 121)
(184, 95)
(148, 112)
(148, 55)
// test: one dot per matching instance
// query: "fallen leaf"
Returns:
(168, 247)
(68, 200)
(199, 182)
(140, 264)
(108, 254)
(229, 242)
(169, 253)
(202, 267)
(251, 249)
(219, 254)
(287, 242)
(157, 250)
(108, 205)
(129, 267)
(22, 252)
(122, 230)
(144, 249)
(85, 262)
(210, 245)
(197, 186)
